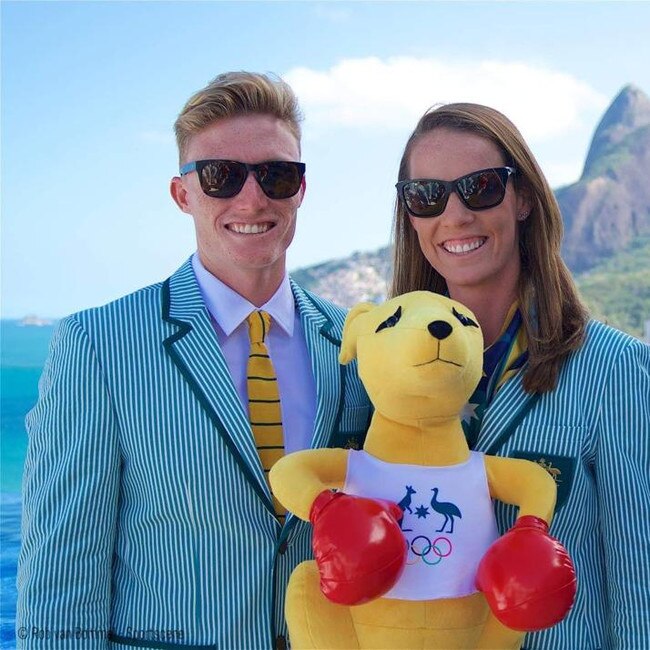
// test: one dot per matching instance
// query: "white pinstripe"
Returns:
(599, 415)
(127, 476)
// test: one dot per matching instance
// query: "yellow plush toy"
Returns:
(409, 532)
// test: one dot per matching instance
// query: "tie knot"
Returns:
(259, 323)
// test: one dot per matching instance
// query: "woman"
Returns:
(475, 218)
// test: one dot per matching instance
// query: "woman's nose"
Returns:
(456, 211)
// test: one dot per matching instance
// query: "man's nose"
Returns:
(251, 193)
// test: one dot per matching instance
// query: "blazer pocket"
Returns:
(561, 468)
(352, 428)
(557, 447)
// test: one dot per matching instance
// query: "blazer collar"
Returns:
(509, 407)
(185, 303)
(323, 339)
(193, 348)
(182, 300)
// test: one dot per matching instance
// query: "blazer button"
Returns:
(280, 643)
(281, 551)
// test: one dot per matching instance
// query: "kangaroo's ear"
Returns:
(351, 331)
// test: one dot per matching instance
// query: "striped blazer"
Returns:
(592, 433)
(147, 520)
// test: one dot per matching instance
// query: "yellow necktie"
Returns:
(264, 399)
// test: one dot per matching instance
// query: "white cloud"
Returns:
(393, 93)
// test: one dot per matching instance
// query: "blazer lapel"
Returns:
(504, 415)
(324, 345)
(194, 350)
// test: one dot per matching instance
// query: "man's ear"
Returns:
(303, 188)
(351, 332)
(179, 194)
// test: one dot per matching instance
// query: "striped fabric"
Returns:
(264, 409)
(593, 435)
(502, 360)
(517, 354)
(146, 511)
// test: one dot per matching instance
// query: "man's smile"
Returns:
(250, 228)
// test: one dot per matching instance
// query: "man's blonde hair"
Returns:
(237, 93)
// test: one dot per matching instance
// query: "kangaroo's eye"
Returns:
(465, 320)
(391, 321)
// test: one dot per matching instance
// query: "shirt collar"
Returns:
(230, 310)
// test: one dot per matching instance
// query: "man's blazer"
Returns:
(592, 433)
(147, 517)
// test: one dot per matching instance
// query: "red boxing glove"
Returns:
(358, 545)
(527, 577)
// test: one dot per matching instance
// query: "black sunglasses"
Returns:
(480, 190)
(223, 179)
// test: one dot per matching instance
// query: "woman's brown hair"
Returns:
(553, 314)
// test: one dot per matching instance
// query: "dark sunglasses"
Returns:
(223, 179)
(480, 190)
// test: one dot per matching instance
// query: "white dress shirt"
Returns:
(286, 345)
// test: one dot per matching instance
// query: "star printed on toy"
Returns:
(469, 412)
(422, 512)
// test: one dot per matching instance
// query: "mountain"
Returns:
(617, 291)
(360, 277)
(606, 218)
(610, 205)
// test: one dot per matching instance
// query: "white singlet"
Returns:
(448, 520)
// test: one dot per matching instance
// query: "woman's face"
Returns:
(471, 250)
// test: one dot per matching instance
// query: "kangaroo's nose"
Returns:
(440, 329)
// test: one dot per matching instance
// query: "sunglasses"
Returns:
(223, 179)
(480, 190)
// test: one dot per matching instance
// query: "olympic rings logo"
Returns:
(440, 547)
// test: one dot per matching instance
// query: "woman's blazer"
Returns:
(592, 433)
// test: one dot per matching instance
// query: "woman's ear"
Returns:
(524, 203)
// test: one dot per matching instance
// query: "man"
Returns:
(148, 519)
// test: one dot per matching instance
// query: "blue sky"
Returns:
(90, 91)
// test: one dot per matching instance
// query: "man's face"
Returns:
(244, 238)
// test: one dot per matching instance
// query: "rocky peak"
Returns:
(610, 205)
(629, 111)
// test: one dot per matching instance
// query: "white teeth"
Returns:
(463, 248)
(249, 228)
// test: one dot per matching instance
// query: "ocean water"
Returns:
(23, 351)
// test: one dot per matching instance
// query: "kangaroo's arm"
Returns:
(522, 483)
(298, 478)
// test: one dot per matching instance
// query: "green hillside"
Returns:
(618, 290)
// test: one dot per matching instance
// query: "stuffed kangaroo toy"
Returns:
(405, 540)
